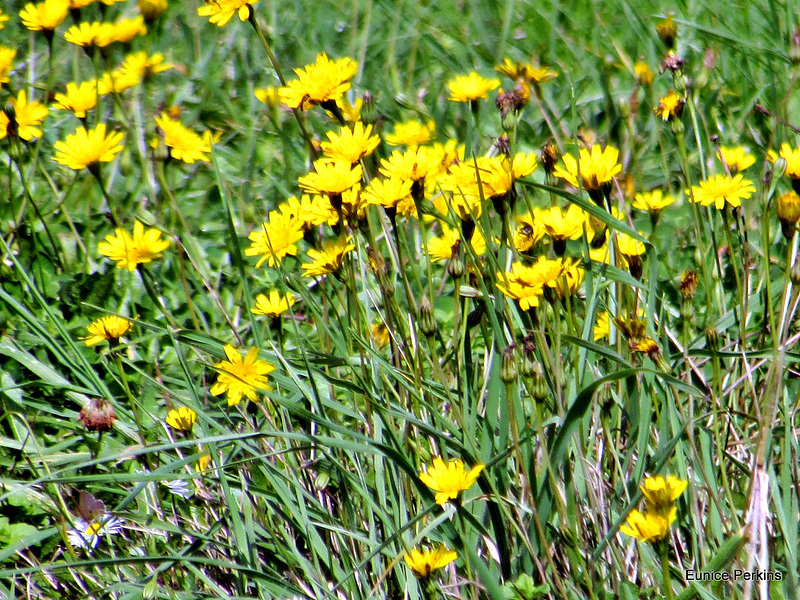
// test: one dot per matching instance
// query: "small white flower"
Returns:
(179, 487)
(87, 535)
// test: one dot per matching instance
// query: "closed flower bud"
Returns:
(788, 207)
(667, 32)
(549, 157)
(508, 365)
(539, 389)
(426, 320)
(712, 340)
(369, 112)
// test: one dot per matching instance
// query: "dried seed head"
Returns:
(98, 415)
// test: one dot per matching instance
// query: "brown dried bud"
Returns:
(503, 145)
(671, 62)
(549, 157)
(98, 415)
(688, 285)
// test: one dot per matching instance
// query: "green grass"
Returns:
(313, 492)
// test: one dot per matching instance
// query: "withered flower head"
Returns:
(671, 62)
(688, 286)
(667, 31)
(98, 415)
(632, 327)
(549, 157)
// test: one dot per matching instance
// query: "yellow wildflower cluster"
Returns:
(660, 494)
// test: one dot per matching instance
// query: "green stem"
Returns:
(666, 581)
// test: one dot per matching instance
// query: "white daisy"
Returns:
(87, 535)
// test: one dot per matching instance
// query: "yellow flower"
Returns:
(27, 118)
(380, 334)
(661, 492)
(267, 95)
(792, 157)
(643, 74)
(351, 113)
(7, 56)
(523, 284)
(329, 260)
(737, 158)
(441, 247)
(78, 99)
(649, 526)
(275, 239)
(597, 167)
(73, 4)
(331, 178)
(325, 80)
(629, 247)
(563, 225)
(240, 377)
(184, 144)
(529, 230)
(788, 208)
(310, 211)
(411, 133)
(138, 65)
(387, 192)
(86, 148)
(45, 16)
(652, 202)
(422, 563)
(602, 328)
(90, 34)
(151, 9)
(181, 419)
(350, 145)
(516, 70)
(449, 479)
(221, 11)
(414, 163)
(670, 106)
(719, 189)
(274, 305)
(472, 87)
(108, 329)
(3, 19)
(125, 30)
(129, 252)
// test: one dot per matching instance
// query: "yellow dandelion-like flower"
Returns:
(380, 334)
(184, 144)
(449, 479)
(329, 260)
(181, 419)
(529, 230)
(518, 70)
(661, 492)
(241, 377)
(275, 239)
(267, 95)
(7, 56)
(441, 247)
(88, 34)
(411, 133)
(222, 11)
(151, 9)
(45, 16)
(414, 163)
(324, 81)
(273, 305)
(670, 106)
(28, 117)
(643, 74)
(792, 158)
(86, 148)
(350, 145)
(107, 329)
(351, 113)
(423, 562)
(597, 167)
(629, 247)
(652, 202)
(737, 158)
(602, 327)
(125, 30)
(387, 192)
(3, 19)
(649, 526)
(130, 251)
(78, 99)
(471, 88)
(563, 225)
(140, 65)
(331, 178)
(523, 284)
(117, 82)
(721, 189)
(310, 211)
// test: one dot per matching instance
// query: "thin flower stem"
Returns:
(666, 577)
(134, 405)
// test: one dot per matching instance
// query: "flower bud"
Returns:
(508, 365)
(712, 340)
(788, 207)
(426, 320)
(667, 32)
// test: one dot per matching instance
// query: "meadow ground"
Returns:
(397, 299)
